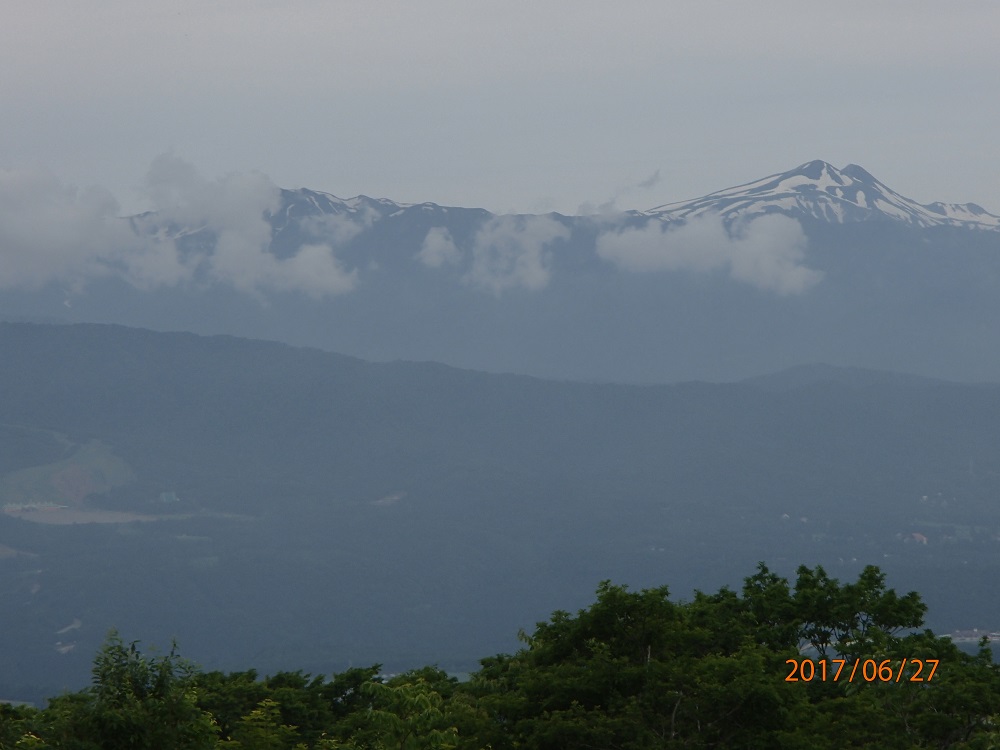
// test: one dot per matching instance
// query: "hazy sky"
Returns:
(505, 105)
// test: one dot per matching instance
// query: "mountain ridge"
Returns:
(822, 191)
(823, 373)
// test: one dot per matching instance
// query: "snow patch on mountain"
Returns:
(818, 190)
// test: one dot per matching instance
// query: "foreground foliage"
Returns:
(635, 670)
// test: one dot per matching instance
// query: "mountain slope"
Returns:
(802, 376)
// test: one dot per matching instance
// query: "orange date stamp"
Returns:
(867, 670)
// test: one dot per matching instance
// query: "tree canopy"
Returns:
(814, 664)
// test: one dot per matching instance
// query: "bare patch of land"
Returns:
(65, 516)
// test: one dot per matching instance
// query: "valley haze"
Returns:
(304, 509)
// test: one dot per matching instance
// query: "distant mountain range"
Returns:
(813, 264)
(815, 190)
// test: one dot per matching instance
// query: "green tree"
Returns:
(410, 715)
(262, 729)
(229, 697)
(135, 703)
(146, 702)
(855, 619)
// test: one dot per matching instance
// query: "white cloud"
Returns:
(314, 270)
(51, 232)
(337, 229)
(153, 262)
(438, 248)
(609, 208)
(652, 181)
(512, 251)
(768, 254)
(54, 233)
(765, 252)
(233, 208)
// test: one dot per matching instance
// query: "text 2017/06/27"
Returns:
(869, 670)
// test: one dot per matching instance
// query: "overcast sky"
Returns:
(506, 105)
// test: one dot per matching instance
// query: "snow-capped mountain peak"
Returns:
(304, 201)
(817, 190)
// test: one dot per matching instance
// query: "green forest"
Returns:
(812, 664)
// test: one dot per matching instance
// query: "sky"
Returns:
(509, 106)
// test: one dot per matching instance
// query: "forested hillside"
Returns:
(270, 505)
